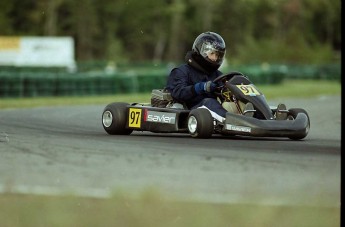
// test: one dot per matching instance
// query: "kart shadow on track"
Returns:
(213, 137)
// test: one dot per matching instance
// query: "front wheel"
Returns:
(200, 123)
(114, 119)
(293, 114)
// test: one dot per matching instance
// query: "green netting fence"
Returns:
(141, 78)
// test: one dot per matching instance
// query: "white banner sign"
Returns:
(37, 51)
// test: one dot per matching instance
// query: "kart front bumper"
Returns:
(242, 125)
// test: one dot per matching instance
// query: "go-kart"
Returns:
(235, 92)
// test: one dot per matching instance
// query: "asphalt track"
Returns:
(55, 150)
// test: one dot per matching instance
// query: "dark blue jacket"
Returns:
(181, 83)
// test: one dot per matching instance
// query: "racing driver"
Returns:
(191, 83)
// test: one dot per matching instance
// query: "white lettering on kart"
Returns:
(238, 128)
(160, 117)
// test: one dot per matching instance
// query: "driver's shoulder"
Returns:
(181, 68)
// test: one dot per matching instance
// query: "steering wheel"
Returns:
(220, 81)
(228, 76)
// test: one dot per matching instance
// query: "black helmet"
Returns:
(210, 42)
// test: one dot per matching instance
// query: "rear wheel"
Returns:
(292, 115)
(200, 123)
(114, 119)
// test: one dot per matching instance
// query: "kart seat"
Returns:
(162, 98)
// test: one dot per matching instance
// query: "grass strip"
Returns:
(153, 210)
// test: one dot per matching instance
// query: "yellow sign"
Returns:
(134, 118)
(248, 89)
(9, 43)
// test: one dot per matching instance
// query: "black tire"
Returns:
(293, 113)
(200, 123)
(114, 119)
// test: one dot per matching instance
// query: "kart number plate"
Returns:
(248, 89)
(134, 118)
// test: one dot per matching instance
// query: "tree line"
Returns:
(294, 31)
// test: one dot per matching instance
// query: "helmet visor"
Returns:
(212, 52)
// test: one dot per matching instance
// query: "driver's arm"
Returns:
(179, 86)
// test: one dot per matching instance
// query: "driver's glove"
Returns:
(205, 87)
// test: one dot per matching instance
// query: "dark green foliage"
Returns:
(294, 31)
